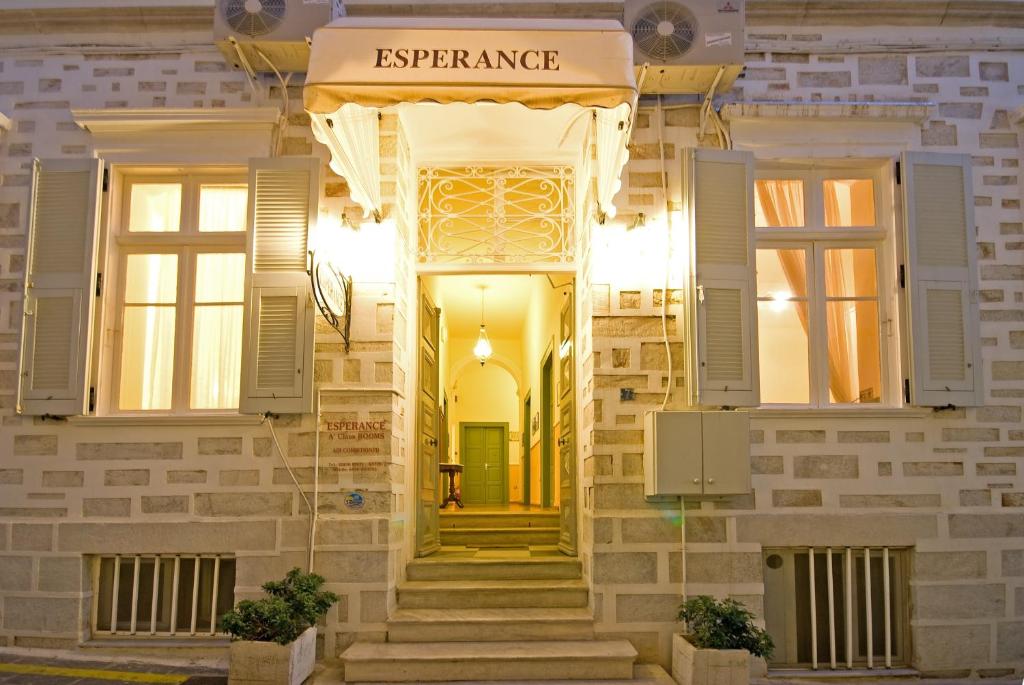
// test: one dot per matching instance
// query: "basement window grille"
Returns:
(837, 607)
(165, 595)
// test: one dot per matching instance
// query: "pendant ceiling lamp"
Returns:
(482, 350)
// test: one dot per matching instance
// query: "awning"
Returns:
(509, 67)
(540, 63)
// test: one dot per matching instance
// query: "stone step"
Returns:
(384, 662)
(510, 519)
(491, 594)
(489, 625)
(643, 674)
(499, 537)
(536, 568)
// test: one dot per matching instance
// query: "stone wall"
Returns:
(946, 484)
(69, 490)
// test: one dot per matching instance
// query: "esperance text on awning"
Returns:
(442, 58)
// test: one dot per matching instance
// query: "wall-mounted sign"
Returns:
(332, 291)
(345, 437)
(354, 501)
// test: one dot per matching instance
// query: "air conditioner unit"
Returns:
(686, 42)
(277, 31)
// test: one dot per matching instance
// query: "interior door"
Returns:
(484, 458)
(427, 420)
(567, 427)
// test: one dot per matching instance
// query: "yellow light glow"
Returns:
(637, 256)
(780, 300)
(366, 253)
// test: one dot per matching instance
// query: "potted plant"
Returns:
(274, 637)
(720, 640)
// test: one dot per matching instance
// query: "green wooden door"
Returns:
(485, 462)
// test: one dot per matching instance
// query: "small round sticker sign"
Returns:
(354, 501)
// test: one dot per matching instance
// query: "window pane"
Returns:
(220, 277)
(781, 274)
(151, 279)
(222, 207)
(216, 356)
(854, 360)
(850, 273)
(782, 343)
(849, 202)
(147, 357)
(778, 203)
(155, 207)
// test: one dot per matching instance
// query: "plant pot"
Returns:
(693, 666)
(268, 663)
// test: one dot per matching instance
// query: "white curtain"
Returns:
(611, 135)
(352, 134)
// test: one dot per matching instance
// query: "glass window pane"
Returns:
(782, 343)
(850, 273)
(781, 274)
(778, 203)
(216, 356)
(147, 358)
(151, 279)
(222, 207)
(220, 277)
(849, 202)
(155, 207)
(854, 358)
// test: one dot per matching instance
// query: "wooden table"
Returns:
(452, 496)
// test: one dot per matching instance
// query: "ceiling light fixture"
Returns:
(482, 350)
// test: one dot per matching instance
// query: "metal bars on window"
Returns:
(496, 214)
(837, 607)
(165, 595)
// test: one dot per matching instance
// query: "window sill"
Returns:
(840, 413)
(167, 420)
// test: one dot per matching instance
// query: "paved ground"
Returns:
(22, 669)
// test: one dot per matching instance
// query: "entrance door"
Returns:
(427, 523)
(485, 461)
(567, 427)
(546, 430)
(527, 439)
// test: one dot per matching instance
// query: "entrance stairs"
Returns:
(492, 605)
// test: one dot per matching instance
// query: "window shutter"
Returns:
(277, 357)
(941, 290)
(719, 188)
(60, 286)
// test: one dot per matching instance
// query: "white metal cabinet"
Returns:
(696, 453)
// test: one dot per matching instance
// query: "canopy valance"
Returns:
(360, 65)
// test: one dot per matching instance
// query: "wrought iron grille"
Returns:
(503, 214)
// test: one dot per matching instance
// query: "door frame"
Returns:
(503, 425)
(527, 440)
(547, 427)
(440, 269)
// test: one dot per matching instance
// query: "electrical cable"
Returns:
(668, 255)
(312, 512)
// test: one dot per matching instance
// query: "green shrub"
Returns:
(292, 605)
(723, 624)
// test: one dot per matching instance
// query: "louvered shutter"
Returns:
(277, 358)
(940, 280)
(719, 191)
(60, 287)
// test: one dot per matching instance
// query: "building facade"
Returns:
(858, 438)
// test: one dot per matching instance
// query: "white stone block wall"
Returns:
(71, 490)
(948, 484)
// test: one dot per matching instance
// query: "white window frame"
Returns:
(815, 237)
(187, 243)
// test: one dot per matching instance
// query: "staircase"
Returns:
(498, 602)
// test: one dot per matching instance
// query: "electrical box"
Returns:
(696, 453)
